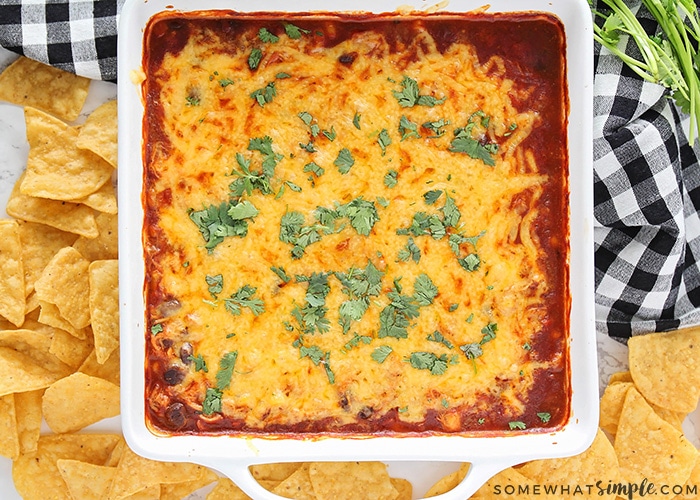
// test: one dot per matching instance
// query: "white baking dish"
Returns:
(489, 454)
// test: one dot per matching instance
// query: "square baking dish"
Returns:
(233, 454)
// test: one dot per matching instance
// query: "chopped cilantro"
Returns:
(216, 284)
(264, 95)
(308, 120)
(308, 147)
(282, 75)
(356, 120)
(156, 329)
(384, 140)
(281, 273)
(362, 214)
(422, 360)
(330, 134)
(464, 142)
(314, 168)
(248, 180)
(450, 212)
(438, 337)
(353, 342)
(544, 417)
(266, 37)
(516, 425)
(391, 178)
(215, 223)
(359, 285)
(410, 96)
(243, 210)
(431, 197)
(424, 224)
(407, 128)
(212, 401)
(312, 316)
(225, 82)
(193, 100)
(425, 290)
(453, 307)
(437, 127)
(199, 363)
(225, 371)
(294, 32)
(381, 353)
(344, 161)
(254, 58)
(410, 251)
(243, 297)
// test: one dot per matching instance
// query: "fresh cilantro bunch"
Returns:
(669, 58)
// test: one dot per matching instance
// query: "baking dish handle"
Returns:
(476, 477)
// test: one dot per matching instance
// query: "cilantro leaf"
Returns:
(473, 148)
(470, 263)
(199, 363)
(242, 210)
(294, 32)
(438, 337)
(266, 37)
(407, 128)
(423, 360)
(215, 224)
(312, 316)
(431, 197)
(225, 371)
(317, 170)
(384, 140)
(306, 117)
(216, 284)
(410, 96)
(362, 214)
(264, 95)
(425, 290)
(254, 58)
(344, 161)
(410, 251)
(450, 212)
(212, 401)
(391, 178)
(356, 120)
(381, 353)
(281, 273)
(437, 127)
(516, 425)
(243, 297)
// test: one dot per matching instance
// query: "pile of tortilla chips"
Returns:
(59, 355)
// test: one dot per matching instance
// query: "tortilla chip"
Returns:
(597, 463)
(136, 473)
(35, 474)
(35, 345)
(648, 448)
(226, 489)
(351, 481)
(69, 349)
(495, 487)
(693, 485)
(84, 480)
(178, 491)
(99, 132)
(9, 436)
(611, 404)
(104, 200)
(105, 245)
(274, 472)
(56, 168)
(50, 315)
(297, 486)
(30, 83)
(28, 406)
(104, 307)
(19, 372)
(79, 400)
(665, 368)
(12, 294)
(39, 244)
(108, 371)
(404, 488)
(65, 282)
(448, 482)
(620, 377)
(70, 217)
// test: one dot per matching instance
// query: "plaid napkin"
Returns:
(75, 35)
(647, 177)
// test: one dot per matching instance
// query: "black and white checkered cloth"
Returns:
(647, 177)
(75, 35)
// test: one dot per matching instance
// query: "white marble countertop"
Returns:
(13, 154)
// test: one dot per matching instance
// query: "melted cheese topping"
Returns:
(205, 122)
